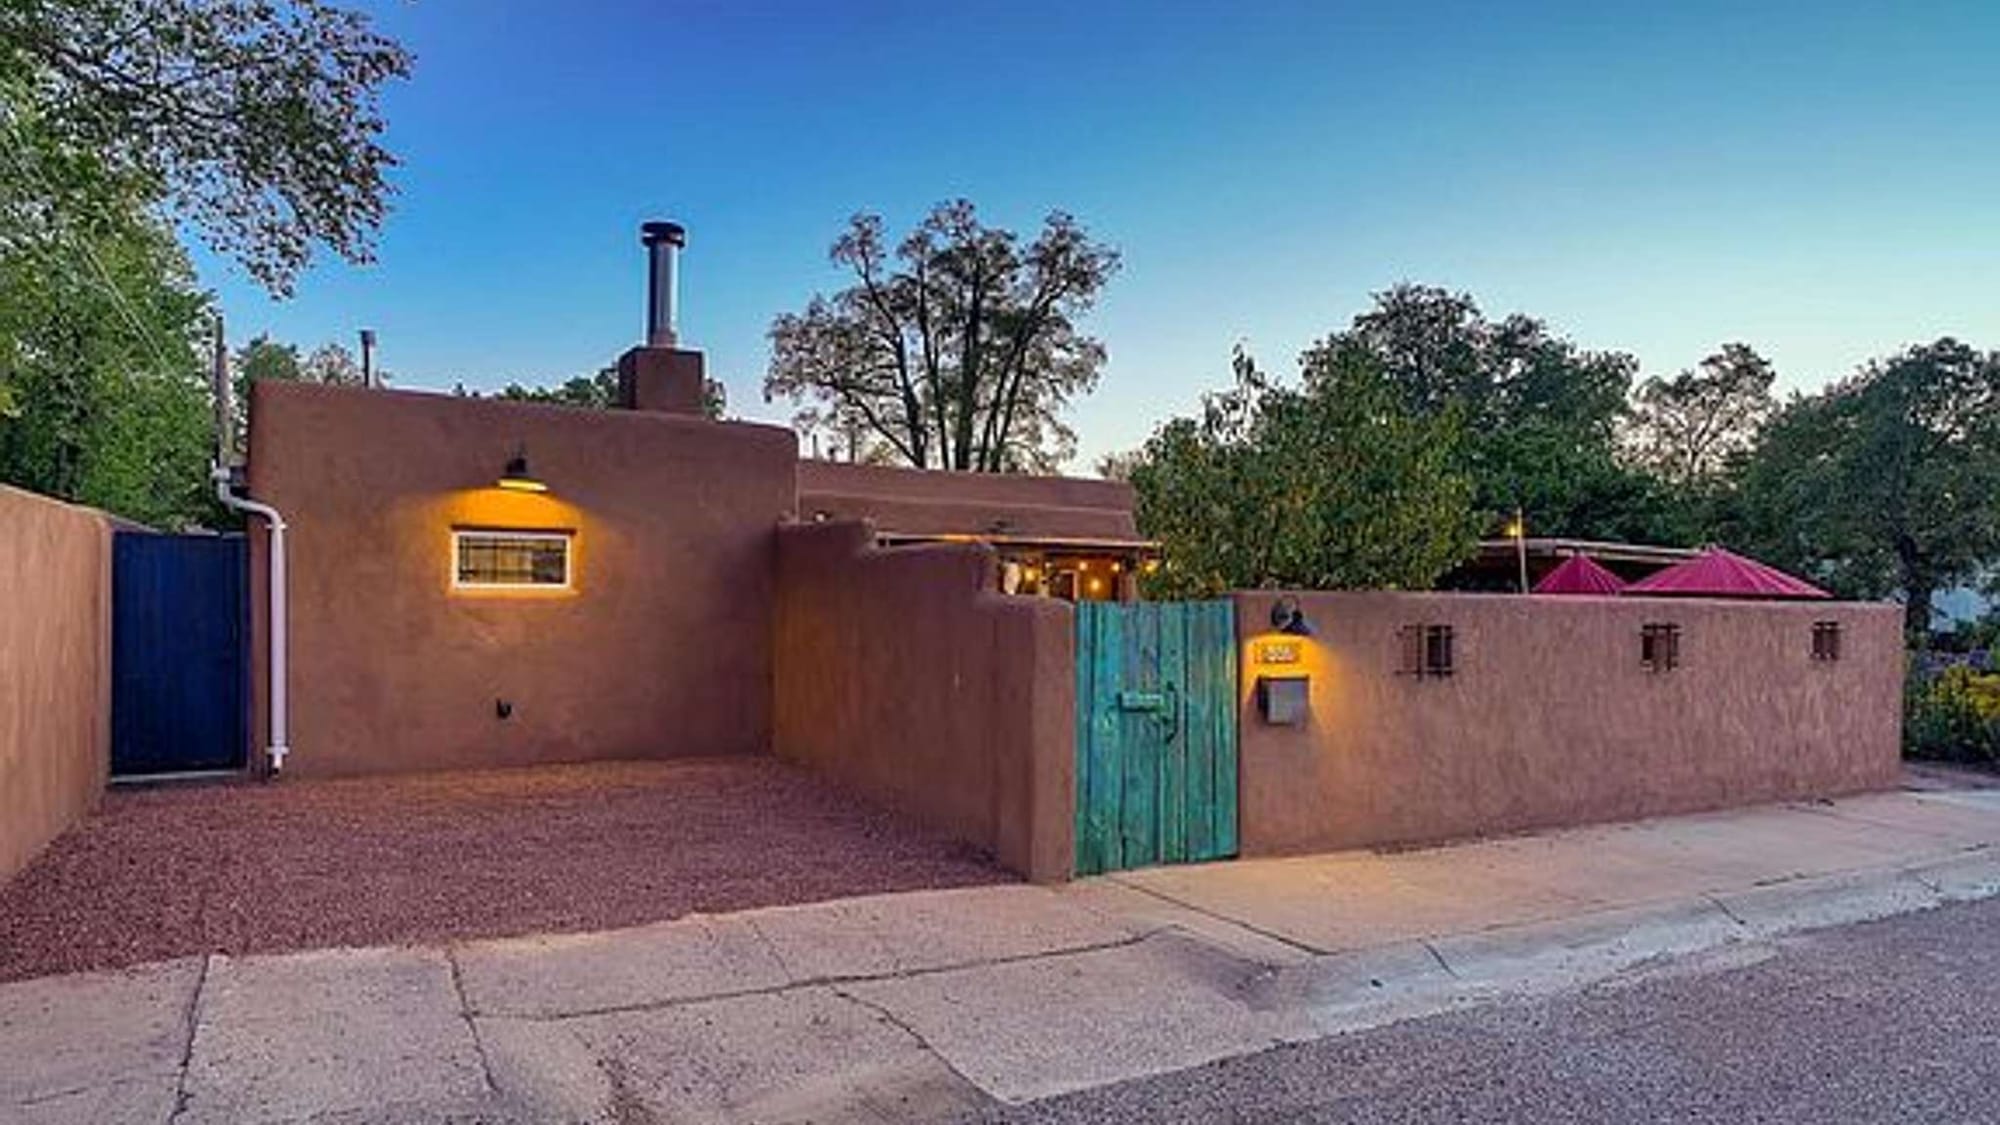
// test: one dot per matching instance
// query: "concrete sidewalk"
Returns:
(931, 1005)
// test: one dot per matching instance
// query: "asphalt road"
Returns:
(1892, 1021)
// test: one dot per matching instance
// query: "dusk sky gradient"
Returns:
(1821, 181)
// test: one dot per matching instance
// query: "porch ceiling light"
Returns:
(516, 476)
(1289, 617)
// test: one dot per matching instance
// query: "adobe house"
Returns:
(477, 583)
(465, 582)
(474, 582)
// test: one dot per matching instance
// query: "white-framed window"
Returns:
(488, 559)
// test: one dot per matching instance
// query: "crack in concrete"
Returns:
(193, 1020)
(917, 1037)
(1217, 916)
(833, 981)
(465, 1013)
(770, 947)
(1431, 948)
(1734, 917)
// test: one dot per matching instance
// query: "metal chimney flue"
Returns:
(663, 242)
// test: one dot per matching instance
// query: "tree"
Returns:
(600, 392)
(1334, 484)
(592, 392)
(333, 366)
(1119, 465)
(1539, 415)
(251, 121)
(958, 350)
(1685, 430)
(106, 402)
(1888, 481)
(265, 358)
(255, 120)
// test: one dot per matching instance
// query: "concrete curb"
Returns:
(1967, 877)
(1368, 988)
(1544, 955)
(1166, 1013)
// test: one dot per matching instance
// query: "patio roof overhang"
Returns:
(1602, 551)
(1060, 544)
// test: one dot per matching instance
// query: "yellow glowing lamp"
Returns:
(516, 477)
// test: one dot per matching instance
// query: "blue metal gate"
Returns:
(179, 653)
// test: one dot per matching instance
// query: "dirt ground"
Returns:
(251, 867)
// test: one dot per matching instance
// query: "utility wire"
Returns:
(31, 176)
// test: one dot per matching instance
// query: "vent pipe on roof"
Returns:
(222, 393)
(663, 243)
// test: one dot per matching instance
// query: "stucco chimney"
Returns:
(658, 375)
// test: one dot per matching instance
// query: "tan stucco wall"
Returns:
(662, 649)
(903, 674)
(1550, 720)
(55, 669)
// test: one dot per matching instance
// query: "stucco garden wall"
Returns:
(661, 649)
(1549, 718)
(55, 669)
(905, 675)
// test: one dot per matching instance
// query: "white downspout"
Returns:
(220, 473)
(277, 749)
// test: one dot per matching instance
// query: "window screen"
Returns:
(536, 559)
(1826, 640)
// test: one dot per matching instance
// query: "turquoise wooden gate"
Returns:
(1156, 733)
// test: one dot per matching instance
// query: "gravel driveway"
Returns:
(251, 867)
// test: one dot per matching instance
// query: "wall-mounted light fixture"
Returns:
(516, 476)
(1284, 700)
(1289, 617)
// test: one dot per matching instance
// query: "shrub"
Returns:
(1953, 715)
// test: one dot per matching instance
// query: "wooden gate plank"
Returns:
(1222, 687)
(1089, 857)
(1173, 739)
(1200, 749)
(1107, 786)
(1139, 731)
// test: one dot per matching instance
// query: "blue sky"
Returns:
(1821, 181)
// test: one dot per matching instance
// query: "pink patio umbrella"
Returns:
(1716, 573)
(1579, 574)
